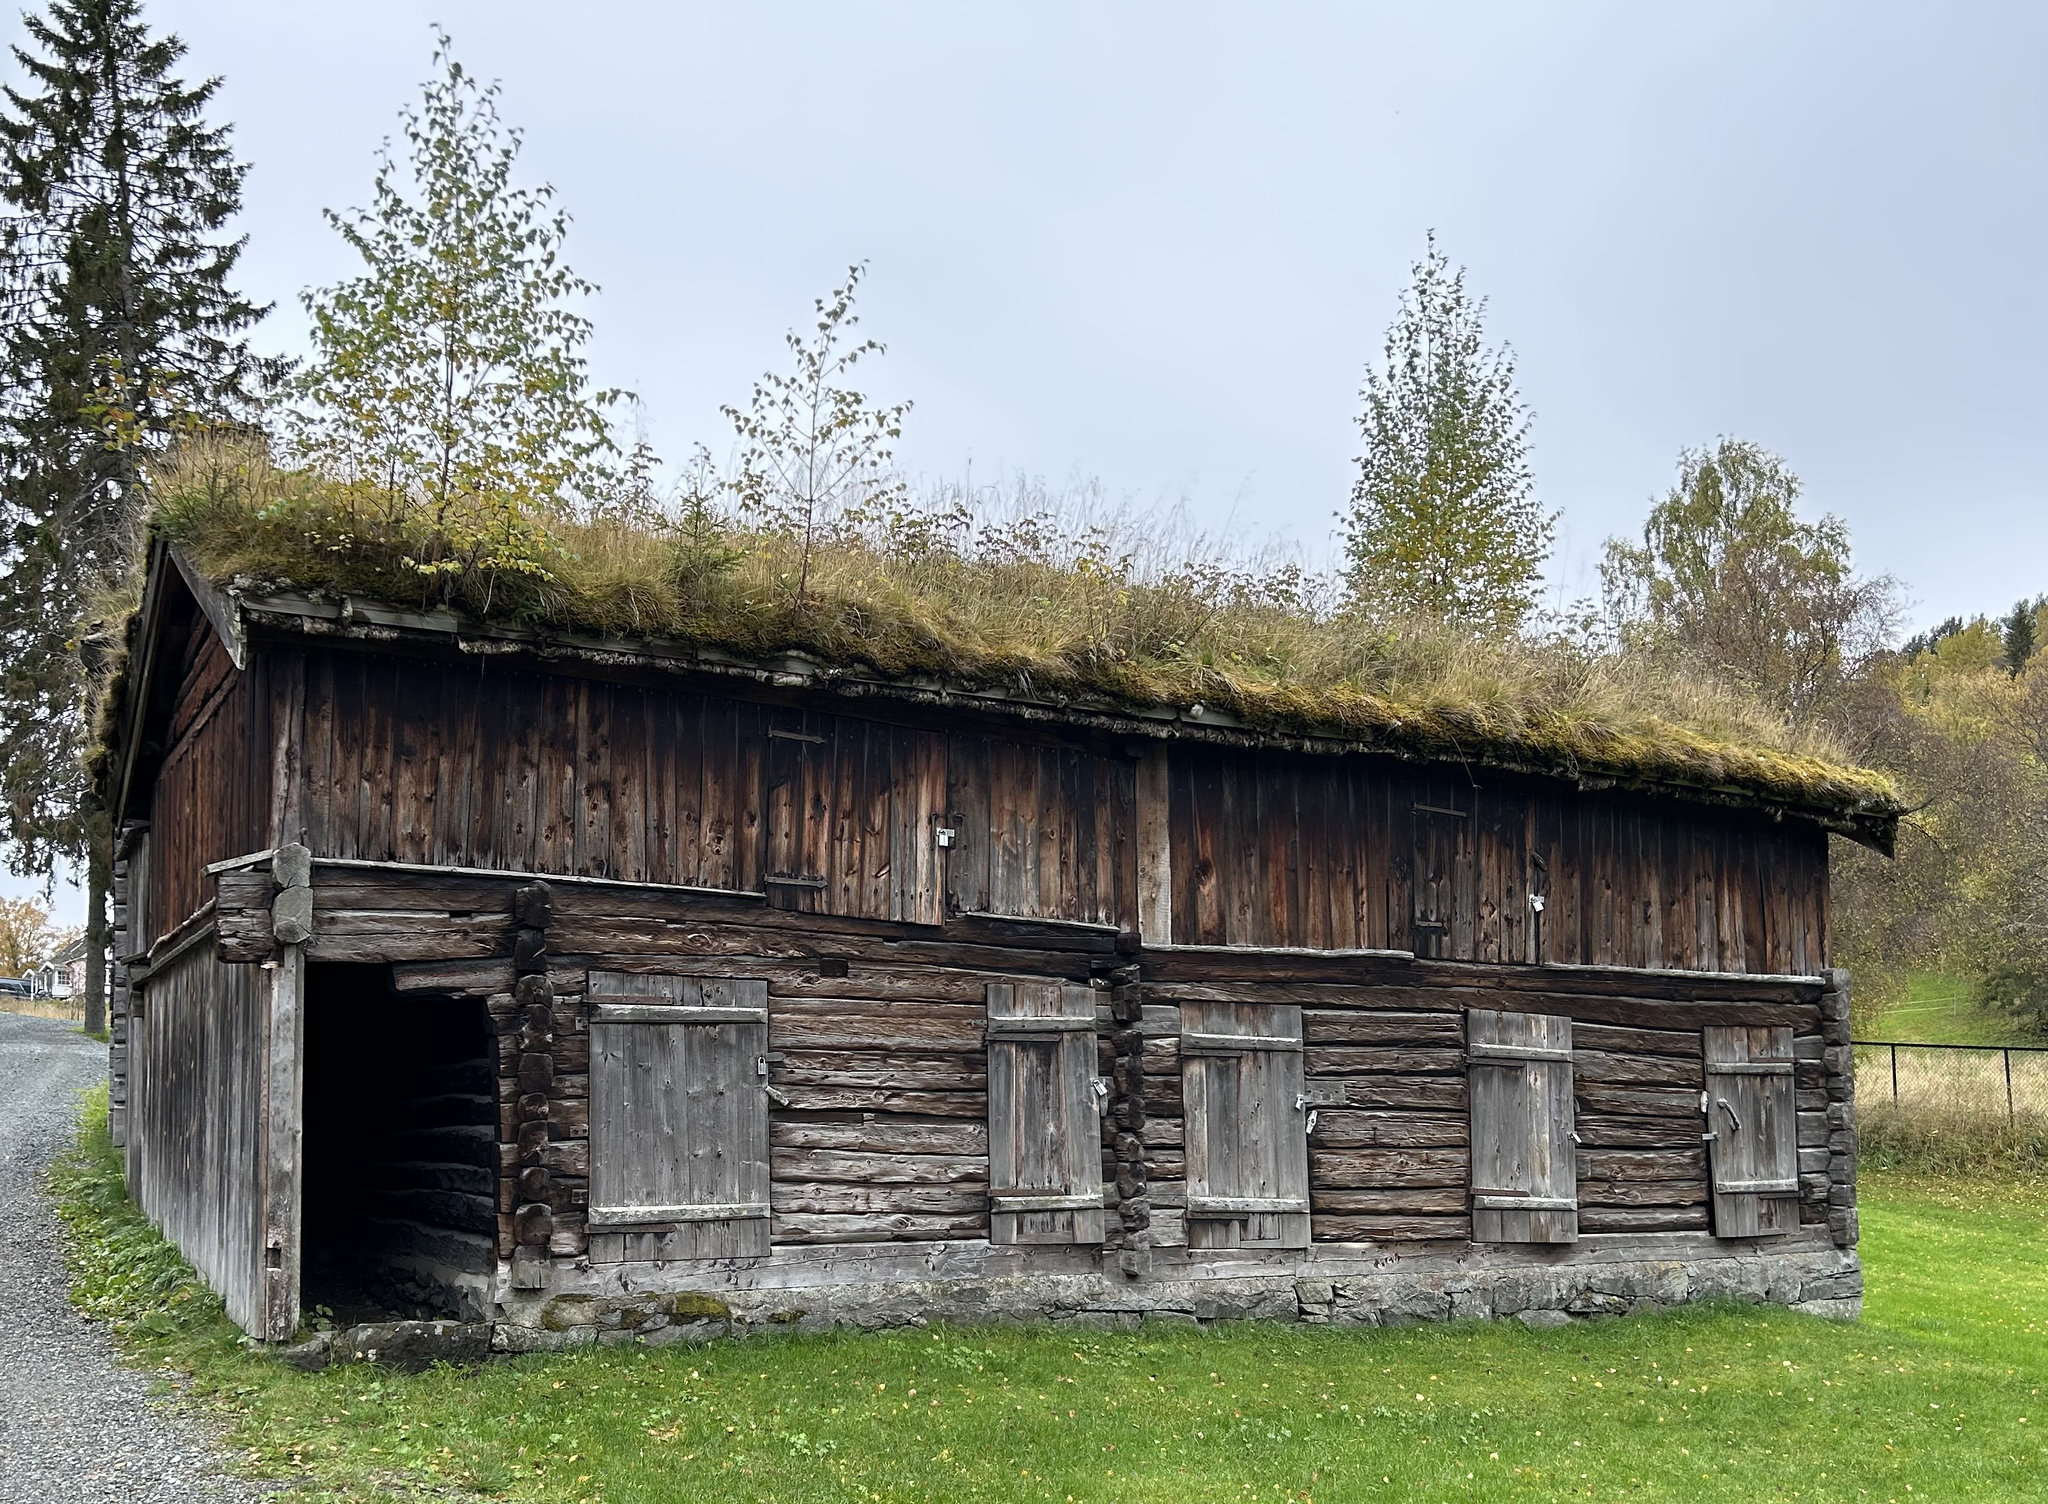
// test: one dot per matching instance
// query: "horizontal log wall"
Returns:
(884, 1135)
(879, 1048)
(1384, 1044)
(1281, 849)
(198, 1059)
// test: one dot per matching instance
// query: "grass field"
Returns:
(1935, 1395)
(1942, 1009)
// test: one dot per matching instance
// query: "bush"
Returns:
(1977, 1145)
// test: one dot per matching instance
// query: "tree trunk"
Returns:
(98, 872)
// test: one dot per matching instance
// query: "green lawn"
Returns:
(1942, 1009)
(1936, 1395)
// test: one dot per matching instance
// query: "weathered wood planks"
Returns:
(834, 814)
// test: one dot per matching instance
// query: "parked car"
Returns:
(16, 987)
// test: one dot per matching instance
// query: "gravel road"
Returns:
(75, 1426)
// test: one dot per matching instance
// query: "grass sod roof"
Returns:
(1033, 614)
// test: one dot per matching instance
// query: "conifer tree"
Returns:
(120, 328)
(2020, 632)
(1444, 522)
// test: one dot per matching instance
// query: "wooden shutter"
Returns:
(1044, 1114)
(1525, 1182)
(1246, 1125)
(679, 1114)
(1752, 1131)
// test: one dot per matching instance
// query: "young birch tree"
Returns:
(1443, 521)
(448, 388)
(812, 448)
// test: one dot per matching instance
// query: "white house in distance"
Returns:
(63, 974)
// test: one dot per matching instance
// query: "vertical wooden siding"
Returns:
(1273, 849)
(212, 795)
(477, 766)
(196, 1156)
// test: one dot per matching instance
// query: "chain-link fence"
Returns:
(1988, 1082)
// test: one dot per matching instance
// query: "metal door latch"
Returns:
(1304, 1102)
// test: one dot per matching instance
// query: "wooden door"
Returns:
(796, 814)
(1525, 1186)
(679, 1115)
(1442, 889)
(1246, 1125)
(1044, 1114)
(1752, 1130)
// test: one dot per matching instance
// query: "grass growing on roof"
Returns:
(1105, 609)
(1937, 1394)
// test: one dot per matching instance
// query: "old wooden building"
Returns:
(609, 990)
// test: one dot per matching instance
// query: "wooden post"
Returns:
(531, 1225)
(292, 924)
(284, 1095)
(1155, 848)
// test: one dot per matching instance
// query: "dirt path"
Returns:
(75, 1426)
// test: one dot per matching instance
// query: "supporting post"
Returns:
(284, 1101)
(2010, 1115)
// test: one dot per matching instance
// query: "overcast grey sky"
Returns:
(1157, 244)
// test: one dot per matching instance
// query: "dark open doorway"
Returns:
(400, 1155)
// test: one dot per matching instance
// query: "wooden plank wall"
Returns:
(479, 766)
(1278, 849)
(198, 1060)
(211, 798)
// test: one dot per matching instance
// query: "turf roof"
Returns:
(1052, 623)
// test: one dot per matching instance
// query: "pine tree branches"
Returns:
(120, 328)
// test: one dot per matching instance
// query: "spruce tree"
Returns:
(1444, 522)
(120, 329)
(2020, 633)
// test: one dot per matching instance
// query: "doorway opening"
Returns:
(400, 1156)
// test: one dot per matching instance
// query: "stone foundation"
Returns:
(1818, 1280)
(1541, 1288)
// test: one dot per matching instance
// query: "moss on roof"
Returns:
(1031, 610)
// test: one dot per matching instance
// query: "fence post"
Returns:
(2010, 1116)
(1895, 1075)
